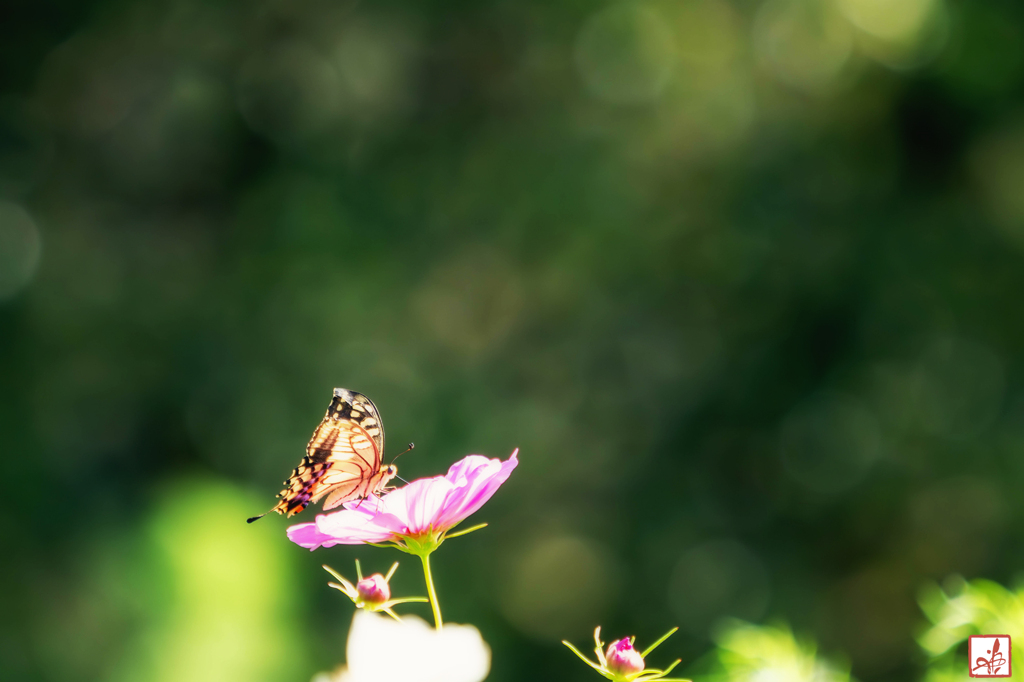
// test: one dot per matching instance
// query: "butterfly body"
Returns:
(343, 459)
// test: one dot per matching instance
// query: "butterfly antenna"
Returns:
(411, 446)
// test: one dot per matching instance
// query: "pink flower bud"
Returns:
(373, 590)
(623, 659)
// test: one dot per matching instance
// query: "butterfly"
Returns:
(343, 458)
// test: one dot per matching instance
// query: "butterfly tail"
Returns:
(276, 508)
(288, 507)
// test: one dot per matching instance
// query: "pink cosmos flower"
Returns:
(418, 515)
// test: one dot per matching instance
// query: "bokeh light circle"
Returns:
(960, 387)
(829, 442)
(20, 249)
(625, 54)
(997, 163)
(888, 20)
(560, 585)
(289, 92)
(901, 35)
(805, 43)
(715, 580)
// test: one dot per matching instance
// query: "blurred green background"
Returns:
(741, 278)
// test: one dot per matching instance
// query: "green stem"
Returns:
(431, 592)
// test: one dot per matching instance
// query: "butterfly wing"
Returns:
(342, 458)
(360, 409)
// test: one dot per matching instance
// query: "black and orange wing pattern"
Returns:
(343, 458)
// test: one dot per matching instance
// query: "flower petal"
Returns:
(476, 479)
(420, 503)
(349, 527)
(306, 535)
(380, 650)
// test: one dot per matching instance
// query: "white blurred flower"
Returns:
(383, 650)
